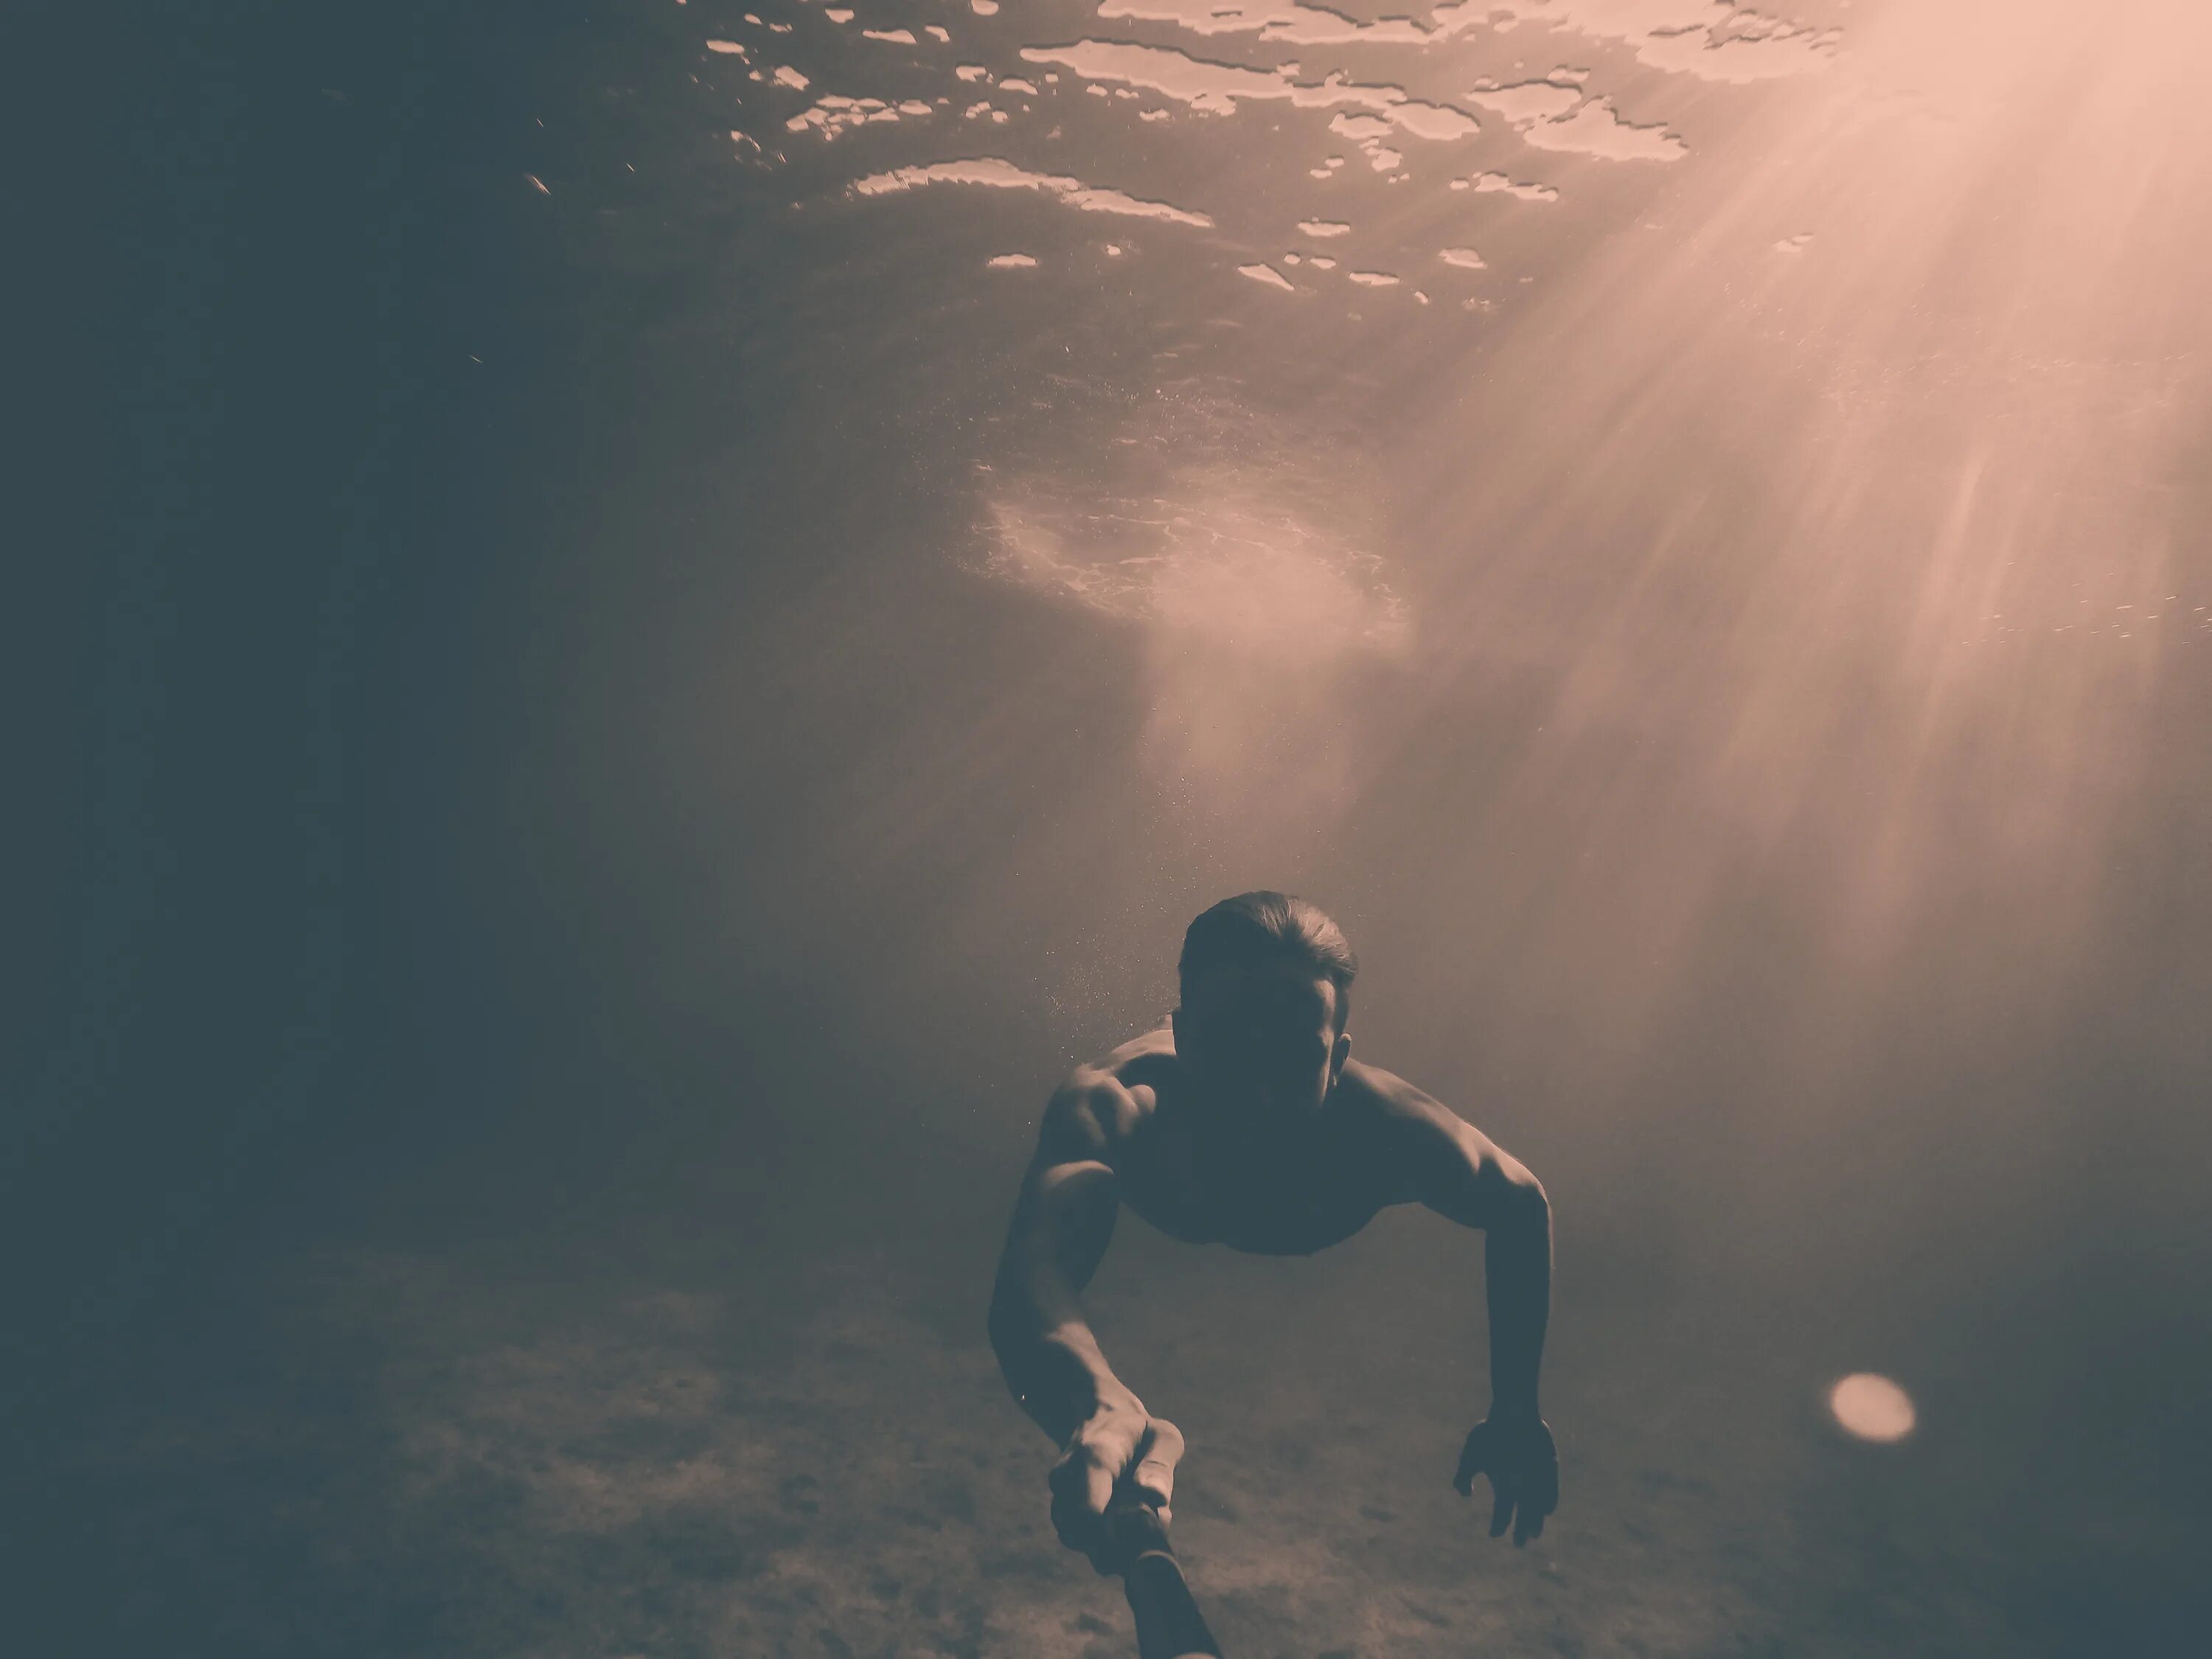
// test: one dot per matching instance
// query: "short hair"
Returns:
(1265, 927)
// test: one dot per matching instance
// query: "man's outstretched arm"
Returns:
(1063, 1221)
(1459, 1172)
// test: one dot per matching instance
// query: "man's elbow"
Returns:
(1012, 1322)
(997, 1321)
(998, 1326)
(1527, 1203)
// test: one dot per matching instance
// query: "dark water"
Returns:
(596, 713)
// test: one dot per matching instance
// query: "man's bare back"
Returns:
(1244, 1122)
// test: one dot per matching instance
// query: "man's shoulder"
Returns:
(1418, 1125)
(1389, 1098)
(1392, 1127)
(1105, 1100)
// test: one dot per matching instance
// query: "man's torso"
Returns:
(1288, 1191)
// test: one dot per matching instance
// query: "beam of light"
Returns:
(1785, 541)
(1872, 1407)
(1830, 557)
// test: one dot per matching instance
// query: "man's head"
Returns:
(1266, 988)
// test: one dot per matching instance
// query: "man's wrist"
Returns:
(1515, 1410)
(1107, 1401)
(1118, 1401)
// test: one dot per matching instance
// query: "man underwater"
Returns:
(1244, 1121)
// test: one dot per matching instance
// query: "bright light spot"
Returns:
(1872, 1407)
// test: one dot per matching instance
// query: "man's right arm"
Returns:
(1063, 1221)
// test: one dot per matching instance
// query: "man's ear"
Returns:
(1341, 1053)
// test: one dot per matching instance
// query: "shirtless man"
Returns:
(1244, 1121)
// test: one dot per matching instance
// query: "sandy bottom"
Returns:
(393, 1454)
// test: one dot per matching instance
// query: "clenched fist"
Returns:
(1118, 1446)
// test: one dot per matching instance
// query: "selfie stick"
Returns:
(1168, 1625)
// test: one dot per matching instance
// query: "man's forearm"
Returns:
(1054, 1369)
(1517, 1277)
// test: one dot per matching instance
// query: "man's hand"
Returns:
(1523, 1466)
(1120, 1445)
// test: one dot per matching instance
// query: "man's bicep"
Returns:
(1064, 1220)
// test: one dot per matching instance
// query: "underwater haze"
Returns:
(639, 621)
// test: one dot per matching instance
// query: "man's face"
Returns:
(1261, 1042)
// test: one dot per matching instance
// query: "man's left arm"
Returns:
(1459, 1172)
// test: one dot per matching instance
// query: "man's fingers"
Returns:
(1085, 1480)
(1470, 1465)
(1158, 1455)
(1524, 1476)
(1098, 1486)
(1075, 1477)
(1158, 1488)
(1080, 1484)
(1155, 1482)
(1076, 1530)
(1163, 1440)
